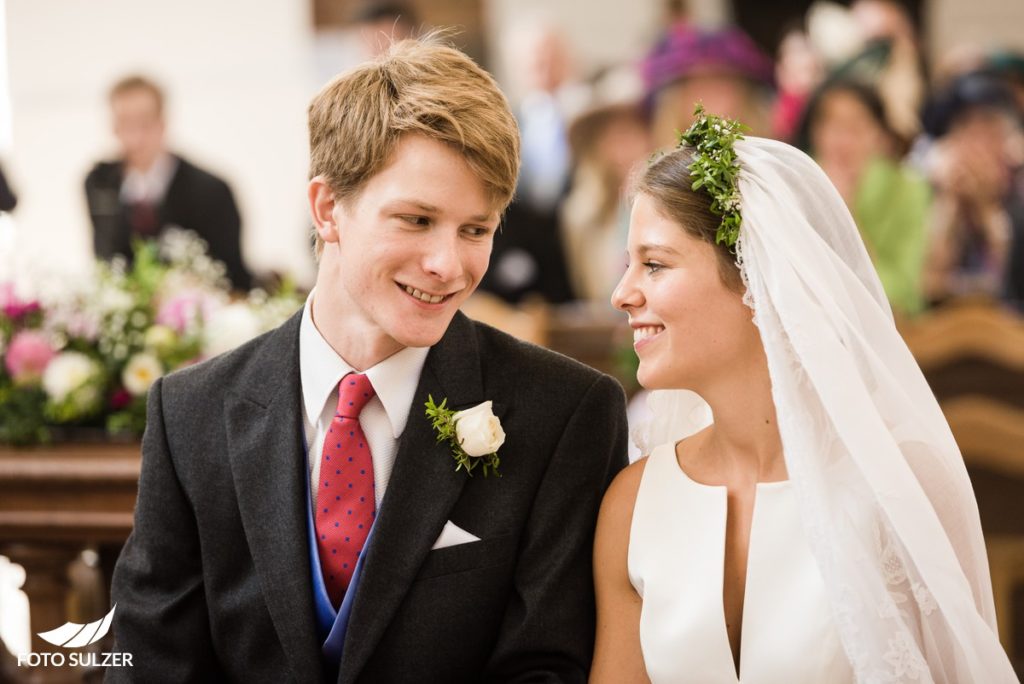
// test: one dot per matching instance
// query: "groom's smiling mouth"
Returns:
(425, 297)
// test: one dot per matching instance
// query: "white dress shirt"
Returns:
(383, 419)
(149, 185)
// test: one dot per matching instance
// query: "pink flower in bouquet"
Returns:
(28, 355)
(184, 310)
(82, 324)
(12, 306)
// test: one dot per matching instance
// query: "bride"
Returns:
(804, 514)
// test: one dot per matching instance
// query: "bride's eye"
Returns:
(653, 266)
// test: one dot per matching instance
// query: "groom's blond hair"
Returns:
(419, 86)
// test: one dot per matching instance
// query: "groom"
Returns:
(298, 519)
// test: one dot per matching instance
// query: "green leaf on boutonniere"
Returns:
(443, 421)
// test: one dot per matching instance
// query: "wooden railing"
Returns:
(972, 354)
(65, 512)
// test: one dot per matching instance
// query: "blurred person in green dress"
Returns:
(844, 128)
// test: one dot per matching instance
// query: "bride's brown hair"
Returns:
(667, 180)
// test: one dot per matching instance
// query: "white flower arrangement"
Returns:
(83, 351)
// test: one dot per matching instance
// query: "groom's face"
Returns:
(413, 244)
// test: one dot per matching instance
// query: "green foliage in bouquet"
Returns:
(22, 420)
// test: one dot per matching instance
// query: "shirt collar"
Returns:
(149, 185)
(394, 379)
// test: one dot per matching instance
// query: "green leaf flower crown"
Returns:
(715, 168)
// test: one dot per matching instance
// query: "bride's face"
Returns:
(688, 325)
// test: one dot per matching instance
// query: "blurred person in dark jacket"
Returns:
(149, 188)
(7, 198)
(529, 257)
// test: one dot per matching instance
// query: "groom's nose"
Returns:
(441, 257)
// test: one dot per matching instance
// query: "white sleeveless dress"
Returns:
(676, 563)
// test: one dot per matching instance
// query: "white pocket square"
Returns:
(452, 535)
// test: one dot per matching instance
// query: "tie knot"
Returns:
(354, 391)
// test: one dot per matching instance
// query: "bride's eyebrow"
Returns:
(649, 247)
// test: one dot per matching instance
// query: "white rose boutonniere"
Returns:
(475, 435)
(479, 430)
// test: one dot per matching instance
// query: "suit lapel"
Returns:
(264, 428)
(421, 492)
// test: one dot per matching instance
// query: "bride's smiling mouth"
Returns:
(644, 334)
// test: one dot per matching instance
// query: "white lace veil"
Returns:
(884, 494)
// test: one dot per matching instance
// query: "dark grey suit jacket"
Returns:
(214, 582)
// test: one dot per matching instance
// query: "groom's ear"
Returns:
(322, 203)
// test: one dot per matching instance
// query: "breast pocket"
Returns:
(486, 553)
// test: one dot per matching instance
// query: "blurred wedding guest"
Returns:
(845, 129)
(7, 199)
(382, 23)
(607, 140)
(722, 68)
(528, 259)
(1008, 66)
(542, 68)
(891, 49)
(149, 188)
(977, 228)
(799, 69)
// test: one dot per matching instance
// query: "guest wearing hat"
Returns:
(608, 138)
(1008, 66)
(722, 68)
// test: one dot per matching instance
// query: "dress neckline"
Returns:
(760, 486)
(676, 564)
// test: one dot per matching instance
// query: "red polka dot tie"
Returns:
(344, 502)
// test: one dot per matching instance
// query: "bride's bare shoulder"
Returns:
(621, 495)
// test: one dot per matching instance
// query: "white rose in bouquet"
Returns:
(229, 327)
(140, 372)
(160, 338)
(67, 372)
(72, 381)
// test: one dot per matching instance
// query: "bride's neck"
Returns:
(745, 435)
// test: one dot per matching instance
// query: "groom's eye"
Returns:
(416, 220)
